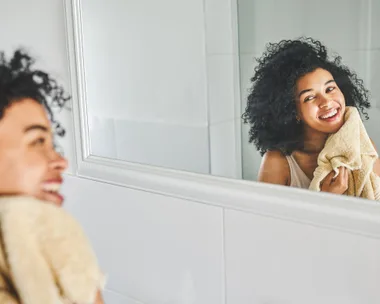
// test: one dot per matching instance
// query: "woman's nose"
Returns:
(58, 162)
(325, 102)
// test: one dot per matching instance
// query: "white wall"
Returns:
(158, 249)
(349, 28)
(163, 250)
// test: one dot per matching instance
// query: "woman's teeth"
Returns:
(331, 114)
(51, 187)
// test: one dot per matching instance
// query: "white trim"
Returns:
(319, 209)
(237, 89)
(325, 210)
(77, 79)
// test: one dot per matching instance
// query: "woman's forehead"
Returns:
(24, 112)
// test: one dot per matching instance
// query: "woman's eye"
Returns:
(39, 141)
(329, 89)
(308, 98)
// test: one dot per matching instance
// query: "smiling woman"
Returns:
(298, 99)
(49, 242)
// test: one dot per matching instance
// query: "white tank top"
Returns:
(298, 178)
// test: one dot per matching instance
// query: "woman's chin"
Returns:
(52, 197)
(333, 126)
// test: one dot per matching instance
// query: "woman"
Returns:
(298, 97)
(29, 163)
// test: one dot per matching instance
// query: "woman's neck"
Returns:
(314, 141)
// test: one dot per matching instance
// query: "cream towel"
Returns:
(350, 147)
(45, 256)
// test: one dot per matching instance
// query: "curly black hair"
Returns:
(271, 107)
(18, 80)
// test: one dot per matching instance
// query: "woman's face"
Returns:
(320, 102)
(29, 165)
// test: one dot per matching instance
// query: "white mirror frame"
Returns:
(325, 210)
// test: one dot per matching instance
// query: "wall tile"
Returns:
(339, 24)
(375, 42)
(182, 147)
(218, 27)
(274, 261)
(261, 22)
(221, 88)
(223, 149)
(155, 249)
(102, 136)
(146, 60)
(375, 78)
(357, 61)
(251, 159)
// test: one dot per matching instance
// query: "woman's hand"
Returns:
(99, 298)
(339, 185)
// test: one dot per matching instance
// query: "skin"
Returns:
(29, 164)
(317, 95)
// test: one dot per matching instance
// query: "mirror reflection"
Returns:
(297, 92)
(165, 91)
(304, 111)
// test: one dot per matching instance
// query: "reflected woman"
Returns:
(298, 98)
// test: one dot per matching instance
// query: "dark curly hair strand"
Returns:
(18, 80)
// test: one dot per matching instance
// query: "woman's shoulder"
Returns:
(274, 168)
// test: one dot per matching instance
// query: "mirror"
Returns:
(346, 28)
(168, 88)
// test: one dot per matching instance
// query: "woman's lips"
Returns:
(333, 115)
(51, 190)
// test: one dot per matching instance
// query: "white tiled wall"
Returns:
(345, 27)
(273, 261)
(158, 249)
(154, 248)
(167, 81)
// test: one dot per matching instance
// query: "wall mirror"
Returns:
(167, 88)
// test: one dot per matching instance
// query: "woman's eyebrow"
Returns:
(304, 91)
(308, 90)
(329, 81)
(36, 127)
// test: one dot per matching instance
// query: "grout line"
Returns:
(207, 88)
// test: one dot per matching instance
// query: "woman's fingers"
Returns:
(342, 175)
(328, 179)
(342, 179)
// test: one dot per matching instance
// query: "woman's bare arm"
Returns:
(274, 169)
